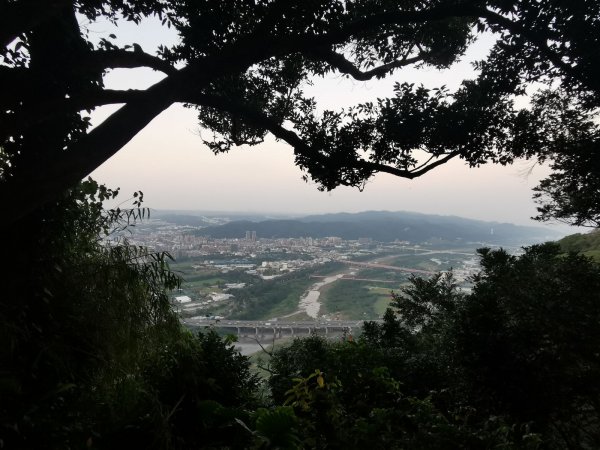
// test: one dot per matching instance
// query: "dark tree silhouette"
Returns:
(243, 67)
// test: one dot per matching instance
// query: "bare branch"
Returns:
(433, 165)
(113, 59)
(425, 163)
(342, 64)
(405, 173)
(263, 349)
(103, 97)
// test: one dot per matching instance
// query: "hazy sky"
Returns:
(169, 163)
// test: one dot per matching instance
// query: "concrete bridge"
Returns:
(278, 329)
(385, 266)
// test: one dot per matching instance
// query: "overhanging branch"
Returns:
(113, 59)
(539, 41)
(345, 66)
(260, 119)
(30, 117)
(40, 183)
(375, 21)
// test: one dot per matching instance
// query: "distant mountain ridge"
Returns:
(386, 226)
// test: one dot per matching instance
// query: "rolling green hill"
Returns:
(587, 244)
(388, 226)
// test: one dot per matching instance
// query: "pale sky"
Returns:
(169, 163)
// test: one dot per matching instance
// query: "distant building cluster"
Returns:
(186, 242)
(267, 258)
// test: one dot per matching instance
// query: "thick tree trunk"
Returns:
(42, 182)
(45, 179)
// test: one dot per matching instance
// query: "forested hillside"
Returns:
(387, 226)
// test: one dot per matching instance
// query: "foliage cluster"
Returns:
(587, 244)
(511, 364)
(92, 353)
(244, 70)
(96, 357)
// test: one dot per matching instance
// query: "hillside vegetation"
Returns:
(386, 226)
(587, 244)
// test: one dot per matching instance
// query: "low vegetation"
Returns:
(265, 299)
(587, 244)
(92, 355)
(352, 299)
(510, 365)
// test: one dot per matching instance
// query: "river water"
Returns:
(247, 348)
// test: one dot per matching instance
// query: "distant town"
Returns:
(253, 277)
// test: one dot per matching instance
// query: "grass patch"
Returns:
(288, 304)
(351, 299)
(381, 305)
(595, 254)
(270, 298)
(278, 297)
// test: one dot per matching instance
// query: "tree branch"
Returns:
(30, 117)
(43, 181)
(260, 119)
(343, 65)
(113, 59)
(539, 42)
(104, 97)
(426, 168)
(308, 42)
(49, 176)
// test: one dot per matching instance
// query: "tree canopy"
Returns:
(510, 364)
(243, 68)
(94, 354)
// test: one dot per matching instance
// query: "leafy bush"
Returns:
(92, 352)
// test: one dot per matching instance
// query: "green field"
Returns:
(384, 275)
(364, 298)
(266, 299)
(197, 283)
(383, 302)
(424, 261)
(351, 299)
